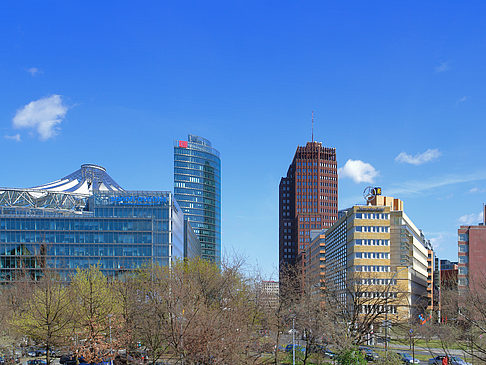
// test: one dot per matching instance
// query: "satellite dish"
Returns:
(369, 193)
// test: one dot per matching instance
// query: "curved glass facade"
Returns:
(197, 189)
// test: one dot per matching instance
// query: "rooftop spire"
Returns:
(312, 126)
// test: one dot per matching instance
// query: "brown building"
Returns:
(308, 201)
(472, 256)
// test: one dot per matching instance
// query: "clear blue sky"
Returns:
(131, 77)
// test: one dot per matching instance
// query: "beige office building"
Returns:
(376, 252)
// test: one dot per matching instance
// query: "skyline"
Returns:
(397, 90)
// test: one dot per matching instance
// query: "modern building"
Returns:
(85, 219)
(197, 188)
(314, 270)
(308, 200)
(472, 256)
(430, 279)
(377, 251)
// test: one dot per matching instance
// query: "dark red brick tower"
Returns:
(308, 199)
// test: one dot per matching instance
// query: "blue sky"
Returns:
(116, 82)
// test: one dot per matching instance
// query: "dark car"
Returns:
(67, 360)
(369, 354)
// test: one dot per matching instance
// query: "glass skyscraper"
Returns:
(197, 189)
(87, 219)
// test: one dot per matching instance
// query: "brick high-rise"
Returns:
(308, 199)
(472, 256)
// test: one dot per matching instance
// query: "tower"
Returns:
(308, 201)
(197, 189)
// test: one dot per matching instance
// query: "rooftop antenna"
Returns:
(312, 126)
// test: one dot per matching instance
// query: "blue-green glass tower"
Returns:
(197, 189)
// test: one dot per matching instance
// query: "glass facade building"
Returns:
(197, 188)
(117, 230)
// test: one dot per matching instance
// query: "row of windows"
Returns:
(372, 242)
(372, 215)
(87, 224)
(372, 268)
(377, 294)
(82, 250)
(463, 259)
(187, 154)
(321, 164)
(83, 237)
(314, 177)
(373, 308)
(372, 255)
(376, 229)
(464, 237)
(377, 281)
(316, 210)
(463, 248)
(322, 171)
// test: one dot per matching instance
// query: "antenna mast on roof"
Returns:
(312, 126)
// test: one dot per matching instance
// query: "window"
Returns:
(464, 237)
(463, 248)
(463, 259)
(462, 270)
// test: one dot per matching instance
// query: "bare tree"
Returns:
(46, 315)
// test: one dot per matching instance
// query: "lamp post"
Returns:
(293, 340)
(386, 308)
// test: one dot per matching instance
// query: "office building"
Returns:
(430, 279)
(376, 250)
(307, 201)
(472, 256)
(314, 270)
(85, 219)
(197, 189)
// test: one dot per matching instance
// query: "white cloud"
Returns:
(419, 186)
(43, 115)
(476, 190)
(33, 71)
(441, 240)
(470, 219)
(359, 171)
(15, 137)
(442, 67)
(419, 158)
(461, 100)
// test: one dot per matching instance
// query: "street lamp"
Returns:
(386, 308)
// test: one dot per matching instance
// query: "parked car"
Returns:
(453, 360)
(407, 358)
(67, 360)
(2, 360)
(37, 362)
(288, 348)
(32, 353)
(369, 354)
